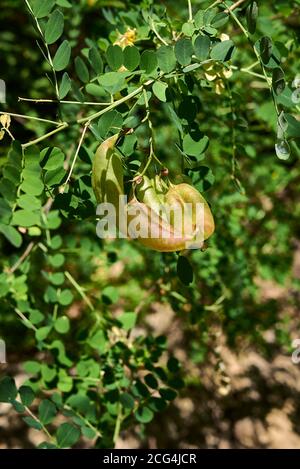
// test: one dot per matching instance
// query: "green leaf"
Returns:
(43, 332)
(204, 179)
(96, 60)
(144, 415)
(27, 395)
(148, 61)
(65, 297)
(222, 51)
(25, 218)
(110, 294)
(35, 316)
(47, 411)
(188, 29)
(29, 202)
(95, 90)
(168, 394)
(128, 320)
(293, 129)
(113, 81)
(45, 444)
(88, 432)
(67, 435)
(114, 57)
(42, 8)
(201, 47)
(185, 270)
(5, 211)
(110, 121)
(199, 19)
(151, 381)
(8, 389)
(166, 58)
(157, 404)
(32, 185)
(62, 357)
(98, 341)
(195, 147)
(159, 89)
(64, 86)
(54, 27)
(184, 51)
(8, 190)
(278, 80)
(57, 278)
(219, 20)
(131, 57)
(32, 367)
(52, 158)
(127, 400)
(173, 365)
(62, 325)
(62, 56)
(18, 406)
(64, 3)
(31, 422)
(56, 260)
(48, 373)
(81, 70)
(251, 15)
(13, 173)
(11, 234)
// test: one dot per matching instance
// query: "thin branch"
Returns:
(61, 101)
(190, 10)
(25, 319)
(79, 289)
(118, 424)
(30, 118)
(76, 154)
(22, 258)
(267, 79)
(234, 6)
(46, 47)
(115, 104)
(43, 137)
(157, 33)
(85, 420)
(51, 438)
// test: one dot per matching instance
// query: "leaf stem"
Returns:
(76, 154)
(190, 10)
(79, 289)
(46, 47)
(37, 101)
(43, 137)
(30, 118)
(51, 438)
(118, 424)
(115, 104)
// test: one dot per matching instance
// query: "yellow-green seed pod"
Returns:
(181, 194)
(107, 173)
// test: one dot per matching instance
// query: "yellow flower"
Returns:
(126, 39)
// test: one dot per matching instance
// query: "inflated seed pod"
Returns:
(157, 233)
(107, 173)
(181, 194)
